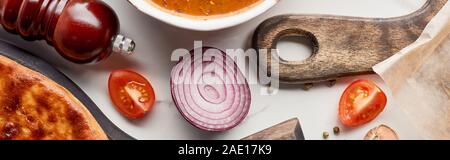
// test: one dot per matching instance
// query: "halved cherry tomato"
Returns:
(131, 93)
(361, 102)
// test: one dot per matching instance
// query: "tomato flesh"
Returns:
(360, 103)
(131, 93)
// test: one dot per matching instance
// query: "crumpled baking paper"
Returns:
(419, 78)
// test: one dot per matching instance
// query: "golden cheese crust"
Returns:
(33, 107)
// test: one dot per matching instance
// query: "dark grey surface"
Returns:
(39, 65)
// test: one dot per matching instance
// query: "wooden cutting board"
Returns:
(39, 65)
(342, 46)
(287, 130)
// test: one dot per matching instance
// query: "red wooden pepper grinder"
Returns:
(82, 31)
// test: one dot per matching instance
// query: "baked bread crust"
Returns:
(33, 107)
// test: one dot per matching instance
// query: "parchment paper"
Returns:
(419, 78)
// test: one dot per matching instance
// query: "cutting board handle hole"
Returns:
(295, 48)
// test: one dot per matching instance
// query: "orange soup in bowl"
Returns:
(205, 7)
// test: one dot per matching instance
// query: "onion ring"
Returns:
(209, 90)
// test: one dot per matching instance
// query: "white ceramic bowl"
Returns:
(214, 23)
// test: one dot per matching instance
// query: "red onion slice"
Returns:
(209, 90)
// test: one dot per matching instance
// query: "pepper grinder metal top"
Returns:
(123, 45)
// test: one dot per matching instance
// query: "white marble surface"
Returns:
(317, 108)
